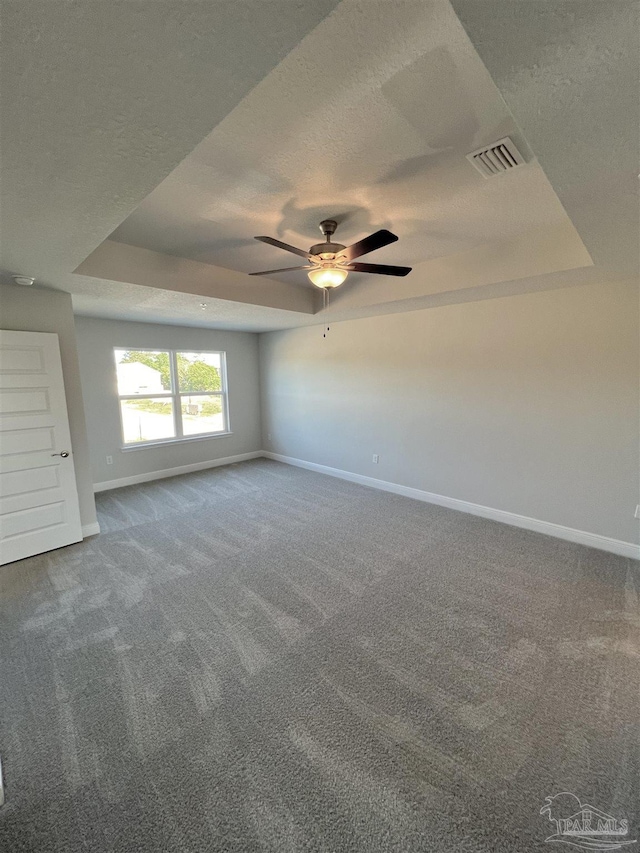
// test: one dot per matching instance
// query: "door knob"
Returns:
(64, 454)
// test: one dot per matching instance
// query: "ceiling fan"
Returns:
(329, 263)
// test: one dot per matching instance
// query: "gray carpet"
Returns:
(260, 658)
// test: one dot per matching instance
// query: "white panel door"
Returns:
(38, 498)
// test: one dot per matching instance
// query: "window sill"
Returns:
(142, 445)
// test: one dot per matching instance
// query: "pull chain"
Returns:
(325, 305)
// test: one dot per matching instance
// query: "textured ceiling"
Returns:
(376, 137)
(100, 101)
(363, 112)
(569, 72)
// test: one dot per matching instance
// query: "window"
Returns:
(171, 396)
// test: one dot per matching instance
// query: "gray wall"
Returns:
(527, 404)
(96, 340)
(32, 309)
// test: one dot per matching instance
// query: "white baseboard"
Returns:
(172, 472)
(90, 529)
(581, 537)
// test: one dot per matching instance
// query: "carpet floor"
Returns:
(261, 658)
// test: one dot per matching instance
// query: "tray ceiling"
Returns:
(160, 168)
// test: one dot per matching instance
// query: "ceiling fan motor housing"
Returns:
(326, 248)
(328, 227)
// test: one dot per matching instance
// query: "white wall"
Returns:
(96, 341)
(528, 404)
(33, 309)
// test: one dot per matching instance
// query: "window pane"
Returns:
(199, 371)
(142, 372)
(147, 420)
(202, 413)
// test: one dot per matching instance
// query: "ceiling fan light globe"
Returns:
(327, 277)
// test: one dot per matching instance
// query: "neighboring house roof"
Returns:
(137, 378)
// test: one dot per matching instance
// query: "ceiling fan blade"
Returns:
(273, 242)
(284, 269)
(369, 244)
(379, 269)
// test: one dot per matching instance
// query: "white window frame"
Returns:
(174, 395)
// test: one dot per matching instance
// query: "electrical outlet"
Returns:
(376, 458)
(638, 511)
(109, 460)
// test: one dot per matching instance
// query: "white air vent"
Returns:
(495, 159)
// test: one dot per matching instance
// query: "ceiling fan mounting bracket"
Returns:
(328, 227)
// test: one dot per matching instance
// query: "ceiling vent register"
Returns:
(496, 159)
